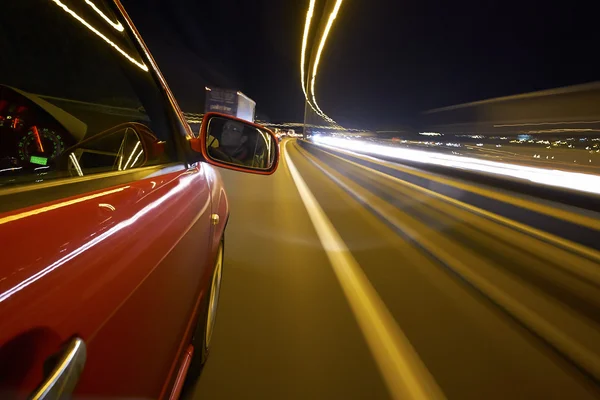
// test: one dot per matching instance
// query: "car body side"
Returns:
(125, 268)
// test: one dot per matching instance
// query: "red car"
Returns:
(112, 216)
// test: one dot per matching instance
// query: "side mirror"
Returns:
(233, 143)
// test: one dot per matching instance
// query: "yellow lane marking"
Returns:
(404, 373)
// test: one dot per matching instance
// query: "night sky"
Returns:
(385, 60)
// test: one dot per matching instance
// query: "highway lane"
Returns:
(492, 310)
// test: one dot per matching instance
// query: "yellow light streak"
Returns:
(141, 65)
(309, 15)
(332, 17)
(117, 25)
(106, 205)
(56, 206)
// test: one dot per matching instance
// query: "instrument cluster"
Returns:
(30, 138)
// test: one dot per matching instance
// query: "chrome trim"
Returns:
(63, 379)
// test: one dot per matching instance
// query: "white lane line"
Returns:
(404, 373)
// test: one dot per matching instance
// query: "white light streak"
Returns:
(10, 169)
(551, 177)
(76, 164)
(137, 157)
(184, 183)
(131, 155)
(106, 205)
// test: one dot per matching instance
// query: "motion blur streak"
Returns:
(332, 17)
(543, 316)
(309, 15)
(528, 204)
(404, 372)
(568, 180)
(590, 273)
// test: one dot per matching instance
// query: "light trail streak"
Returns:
(332, 17)
(139, 64)
(309, 15)
(550, 177)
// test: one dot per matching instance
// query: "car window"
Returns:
(76, 97)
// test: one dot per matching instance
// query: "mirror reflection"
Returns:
(239, 143)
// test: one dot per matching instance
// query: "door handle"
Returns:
(62, 380)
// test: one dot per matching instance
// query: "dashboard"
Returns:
(30, 137)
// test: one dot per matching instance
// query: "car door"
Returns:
(105, 230)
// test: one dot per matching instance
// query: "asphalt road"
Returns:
(386, 287)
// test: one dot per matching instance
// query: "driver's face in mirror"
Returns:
(239, 143)
(233, 134)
